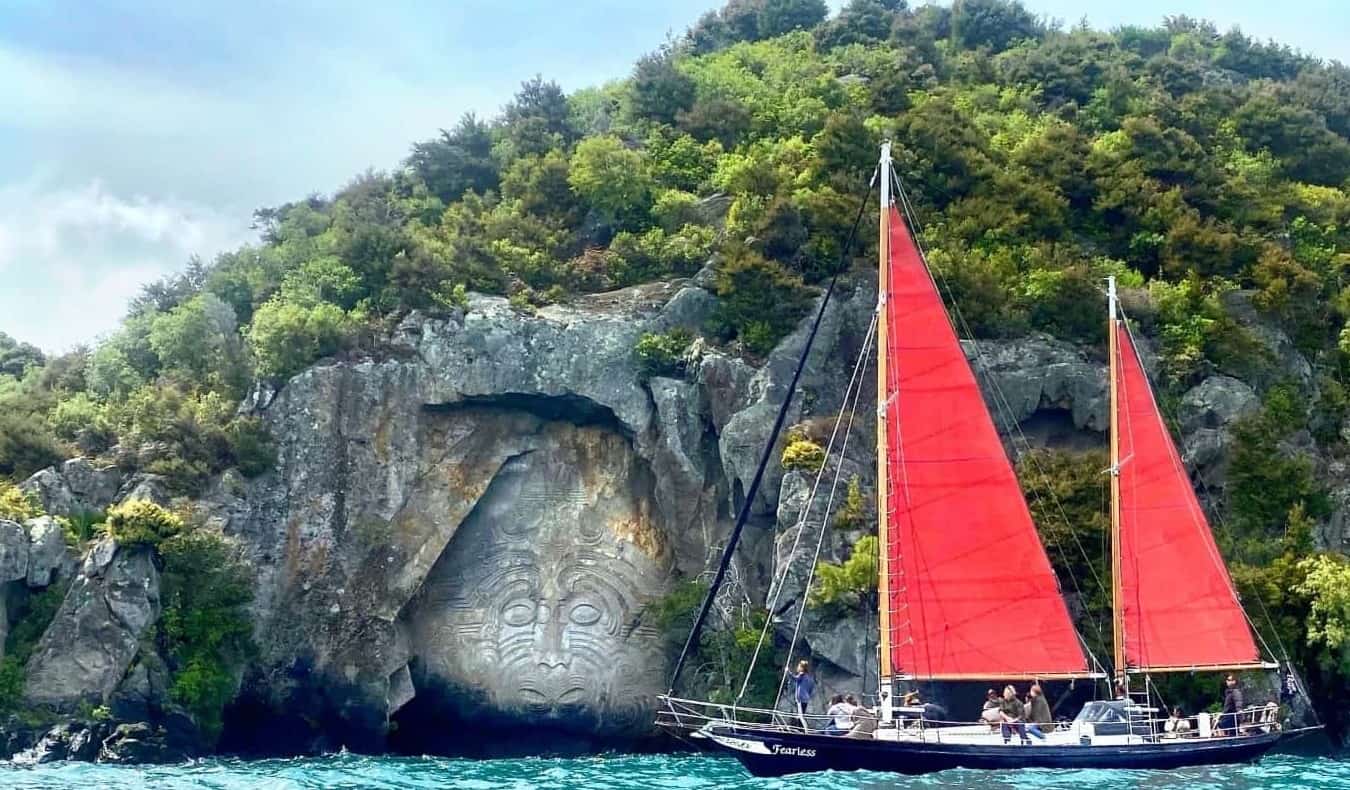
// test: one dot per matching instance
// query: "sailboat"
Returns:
(966, 591)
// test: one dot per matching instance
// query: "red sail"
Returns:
(1178, 604)
(971, 591)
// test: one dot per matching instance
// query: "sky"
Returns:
(135, 134)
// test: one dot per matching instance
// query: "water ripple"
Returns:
(625, 772)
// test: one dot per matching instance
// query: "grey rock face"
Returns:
(86, 651)
(46, 550)
(13, 551)
(533, 609)
(1023, 376)
(368, 539)
(142, 485)
(1216, 402)
(140, 744)
(77, 486)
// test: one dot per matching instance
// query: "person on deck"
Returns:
(1013, 712)
(1038, 713)
(841, 716)
(1177, 725)
(1232, 704)
(991, 714)
(803, 687)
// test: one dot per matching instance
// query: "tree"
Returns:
(860, 22)
(660, 91)
(285, 336)
(198, 341)
(459, 160)
(539, 185)
(16, 357)
(777, 17)
(611, 178)
(996, 24)
(538, 118)
(761, 300)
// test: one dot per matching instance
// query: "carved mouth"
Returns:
(540, 702)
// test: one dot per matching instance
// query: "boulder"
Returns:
(72, 740)
(1216, 402)
(13, 551)
(90, 644)
(146, 486)
(95, 487)
(140, 744)
(46, 550)
(77, 486)
(1023, 376)
(51, 491)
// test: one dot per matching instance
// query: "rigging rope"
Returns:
(772, 605)
(734, 539)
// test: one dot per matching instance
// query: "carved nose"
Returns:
(552, 655)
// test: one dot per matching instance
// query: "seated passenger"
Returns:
(1039, 712)
(841, 716)
(1013, 712)
(1177, 725)
(990, 714)
(864, 720)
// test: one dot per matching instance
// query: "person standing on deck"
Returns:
(1232, 704)
(803, 687)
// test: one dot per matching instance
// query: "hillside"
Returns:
(1208, 171)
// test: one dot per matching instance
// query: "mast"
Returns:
(1117, 599)
(883, 519)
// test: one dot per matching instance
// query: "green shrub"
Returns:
(82, 527)
(252, 448)
(853, 513)
(26, 445)
(140, 522)
(286, 337)
(15, 505)
(844, 586)
(662, 354)
(760, 300)
(803, 455)
(82, 420)
(205, 629)
(28, 622)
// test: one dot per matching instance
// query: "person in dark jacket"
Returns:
(1013, 713)
(803, 687)
(1232, 704)
(1038, 714)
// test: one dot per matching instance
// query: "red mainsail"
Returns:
(971, 593)
(1178, 606)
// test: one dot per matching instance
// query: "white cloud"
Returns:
(70, 258)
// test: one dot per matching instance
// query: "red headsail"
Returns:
(971, 591)
(1178, 604)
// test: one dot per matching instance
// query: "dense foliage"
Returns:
(139, 522)
(205, 631)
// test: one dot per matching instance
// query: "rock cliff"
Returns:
(468, 528)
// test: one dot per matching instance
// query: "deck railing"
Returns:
(687, 716)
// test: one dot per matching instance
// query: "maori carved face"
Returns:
(539, 598)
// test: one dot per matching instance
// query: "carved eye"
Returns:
(518, 614)
(585, 614)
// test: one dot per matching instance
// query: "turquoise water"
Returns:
(668, 772)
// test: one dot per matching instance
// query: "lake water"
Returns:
(668, 772)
